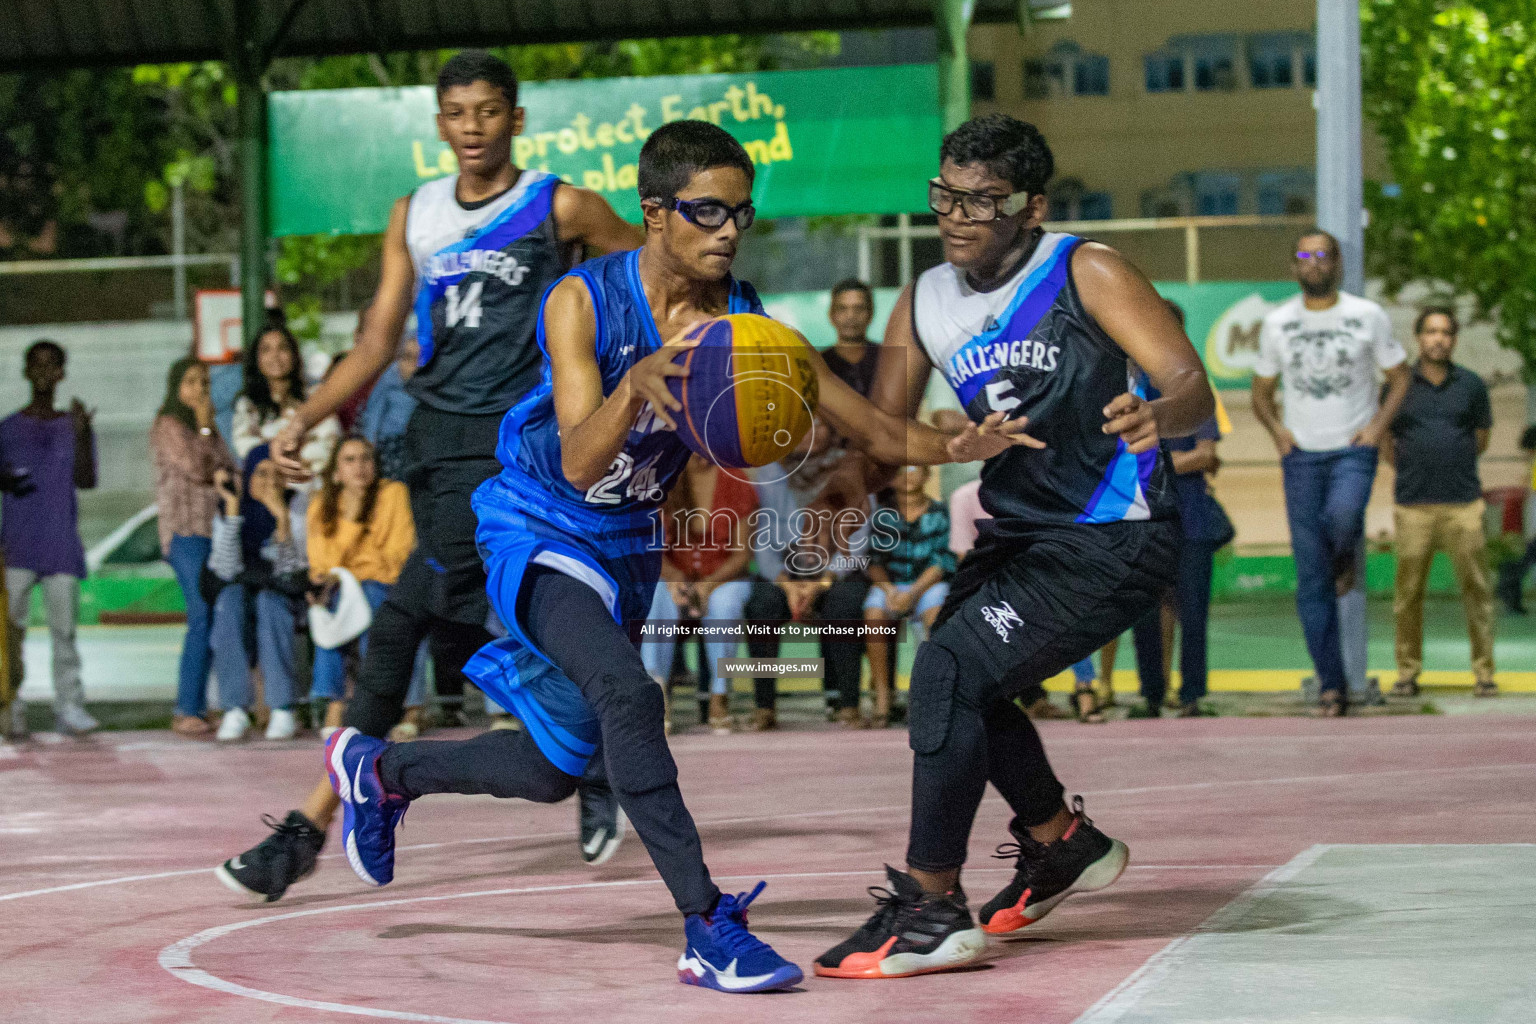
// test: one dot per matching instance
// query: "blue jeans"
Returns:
(726, 604)
(274, 646)
(1325, 498)
(213, 634)
(1192, 595)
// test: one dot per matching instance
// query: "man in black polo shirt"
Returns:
(1436, 438)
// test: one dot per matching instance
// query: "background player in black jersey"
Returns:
(1083, 541)
(481, 365)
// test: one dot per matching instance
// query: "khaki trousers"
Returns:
(1458, 531)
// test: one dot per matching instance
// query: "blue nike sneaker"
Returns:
(721, 954)
(369, 814)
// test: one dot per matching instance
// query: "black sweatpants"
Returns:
(1021, 609)
(440, 595)
(569, 622)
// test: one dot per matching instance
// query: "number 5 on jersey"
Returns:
(464, 305)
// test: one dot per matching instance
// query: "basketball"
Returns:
(750, 392)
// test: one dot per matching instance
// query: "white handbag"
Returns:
(351, 619)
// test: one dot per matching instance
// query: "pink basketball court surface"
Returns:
(1266, 855)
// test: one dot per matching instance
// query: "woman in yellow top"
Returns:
(360, 523)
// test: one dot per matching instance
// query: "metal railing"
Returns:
(904, 232)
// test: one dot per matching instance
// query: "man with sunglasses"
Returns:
(1328, 345)
(1082, 541)
(572, 551)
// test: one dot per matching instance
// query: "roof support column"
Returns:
(1340, 192)
(251, 110)
(952, 19)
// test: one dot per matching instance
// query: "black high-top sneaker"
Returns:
(265, 871)
(911, 932)
(1082, 860)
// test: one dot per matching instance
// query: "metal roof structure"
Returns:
(58, 34)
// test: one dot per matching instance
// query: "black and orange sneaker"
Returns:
(1082, 860)
(911, 932)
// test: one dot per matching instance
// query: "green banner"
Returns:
(834, 141)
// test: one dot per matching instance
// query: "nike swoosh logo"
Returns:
(236, 864)
(357, 784)
(728, 977)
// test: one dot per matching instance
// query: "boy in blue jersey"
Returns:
(472, 253)
(1082, 540)
(568, 533)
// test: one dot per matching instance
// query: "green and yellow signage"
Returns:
(833, 141)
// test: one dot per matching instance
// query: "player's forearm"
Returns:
(366, 361)
(1398, 380)
(588, 449)
(1185, 404)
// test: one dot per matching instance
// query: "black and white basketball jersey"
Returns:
(1028, 348)
(481, 272)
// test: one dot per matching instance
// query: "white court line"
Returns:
(818, 814)
(177, 957)
(1123, 997)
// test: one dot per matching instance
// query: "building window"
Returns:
(1215, 60)
(1285, 193)
(1309, 67)
(983, 80)
(1069, 199)
(1037, 83)
(1216, 193)
(1269, 62)
(1165, 72)
(1095, 206)
(1090, 75)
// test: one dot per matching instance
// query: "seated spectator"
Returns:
(1512, 573)
(188, 453)
(910, 566)
(360, 523)
(704, 571)
(274, 388)
(833, 591)
(55, 451)
(274, 575)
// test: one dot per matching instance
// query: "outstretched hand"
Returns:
(284, 450)
(992, 436)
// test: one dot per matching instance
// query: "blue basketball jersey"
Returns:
(619, 506)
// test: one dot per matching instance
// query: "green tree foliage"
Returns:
(1451, 88)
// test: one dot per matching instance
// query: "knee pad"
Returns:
(635, 747)
(931, 698)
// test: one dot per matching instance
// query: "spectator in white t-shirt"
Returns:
(1327, 346)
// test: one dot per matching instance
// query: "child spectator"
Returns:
(360, 523)
(909, 568)
(56, 452)
(274, 388)
(188, 453)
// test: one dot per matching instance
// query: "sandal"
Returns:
(1485, 688)
(1405, 688)
(1086, 703)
